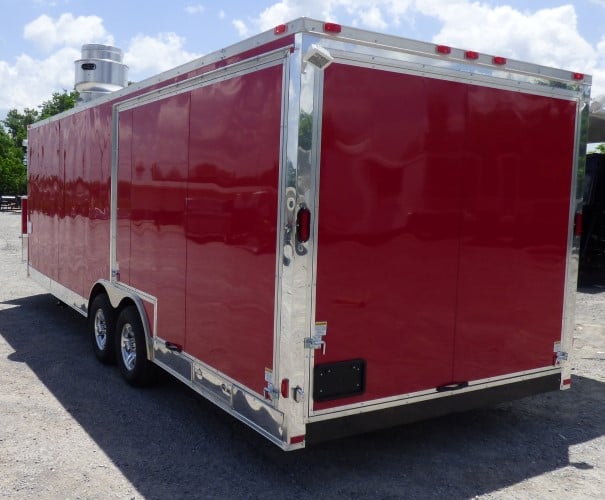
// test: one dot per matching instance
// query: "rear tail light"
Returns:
(303, 225)
(285, 388)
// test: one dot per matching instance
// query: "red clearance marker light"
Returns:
(567, 381)
(282, 28)
(303, 225)
(471, 54)
(285, 388)
(332, 28)
(443, 49)
(499, 60)
(578, 76)
(297, 439)
(577, 224)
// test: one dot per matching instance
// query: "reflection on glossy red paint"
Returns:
(452, 267)
(69, 187)
(231, 224)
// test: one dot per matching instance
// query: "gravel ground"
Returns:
(71, 428)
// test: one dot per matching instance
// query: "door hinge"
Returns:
(315, 343)
(271, 392)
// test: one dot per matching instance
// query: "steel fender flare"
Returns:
(117, 293)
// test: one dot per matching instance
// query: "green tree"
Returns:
(600, 148)
(17, 123)
(12, 171)
(59, 102)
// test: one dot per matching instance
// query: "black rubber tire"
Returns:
(130, 341)
(102, 317)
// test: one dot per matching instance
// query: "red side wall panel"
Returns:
(197, 216)
(97, 173)
(46, 189)
(231, 226)
(69, 185)
(160, 136)
(74, 212)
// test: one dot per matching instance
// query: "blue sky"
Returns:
(40, 39)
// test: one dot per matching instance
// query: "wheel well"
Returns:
(98, 289)
(125, 302)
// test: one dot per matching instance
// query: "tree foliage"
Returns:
(13, 175)
(600, 148)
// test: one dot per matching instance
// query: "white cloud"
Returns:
(287, 10)
(221, 14)
(598, 82)
(546, 36)
(193, 9)
(67, 30)
(148, 55)
(372, 18)
(241, 27)
(29, 82)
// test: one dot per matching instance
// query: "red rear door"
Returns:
(429, 264)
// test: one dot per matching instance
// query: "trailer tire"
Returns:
(102, 329)
(131, 349)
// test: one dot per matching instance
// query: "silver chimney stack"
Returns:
(99, 72)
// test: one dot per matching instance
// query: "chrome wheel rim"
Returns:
(100, 330)
(128, 347)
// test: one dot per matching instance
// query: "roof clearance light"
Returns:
(499, 60)
(443, 49)
(471, 54)
(332, 28)
(578, 76)
(279, 29)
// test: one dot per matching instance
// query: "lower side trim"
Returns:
(64, 294)
(390, 417)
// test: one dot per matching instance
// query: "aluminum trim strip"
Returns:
(454, 72)
(281, 216)
(113, 200)
(573, 241)
(292, 267)
(427, 49)
(234, 70)
(414, 397)
(318, 97)
(239, 401)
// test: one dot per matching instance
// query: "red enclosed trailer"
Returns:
(321, 229)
